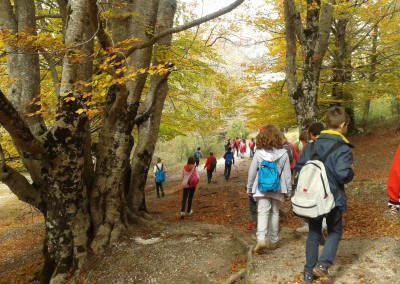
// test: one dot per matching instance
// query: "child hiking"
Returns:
(190, 179)
(229, 161)
(159, 176)
(197, 155)
(339, 169)
(210, 165)
(269, 150)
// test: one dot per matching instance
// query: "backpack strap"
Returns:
(333, 149)
(158, 169)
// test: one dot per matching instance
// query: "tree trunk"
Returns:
(342, 72)
(372, 74)
(148, 129)
(313, 39)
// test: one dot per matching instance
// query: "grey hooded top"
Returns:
(283, 163)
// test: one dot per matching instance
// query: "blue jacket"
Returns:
(338, 164)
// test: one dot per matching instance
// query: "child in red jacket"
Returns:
(393, 184)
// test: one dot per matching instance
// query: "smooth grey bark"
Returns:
(313, 40)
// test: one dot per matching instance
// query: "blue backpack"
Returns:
(196, 155)
(160, 174)
(268, 177)
(228, 157)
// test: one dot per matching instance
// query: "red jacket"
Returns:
(295, 154)
(393, 183)
(208, 162)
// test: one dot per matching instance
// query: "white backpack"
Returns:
(313, 197)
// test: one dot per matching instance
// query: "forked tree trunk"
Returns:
(313, 41)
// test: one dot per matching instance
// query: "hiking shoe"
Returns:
(320, 270)
(189, 213)
(182, 216)
(162, 193)
(308, 278)
(261, 245)
(252, 225)
(273, 246)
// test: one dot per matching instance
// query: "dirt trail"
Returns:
(213, 245)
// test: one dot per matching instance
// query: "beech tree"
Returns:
(312, 36)
(118, 49)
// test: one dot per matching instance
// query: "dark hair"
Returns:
(336, 116)
(269, 137)
(191, 160)
(211, 153)
(316, 128)
(304, 136)
(198, 148)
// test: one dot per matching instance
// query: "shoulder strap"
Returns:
(333, 149)
(158, 169)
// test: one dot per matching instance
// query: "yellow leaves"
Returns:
(81, 110)
(68, 99)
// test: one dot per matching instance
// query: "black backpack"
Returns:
(213, 164)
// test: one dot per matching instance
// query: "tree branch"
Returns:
(152, 92)
(17, 128)
(97, 26)
(174, 30)
(21, 187)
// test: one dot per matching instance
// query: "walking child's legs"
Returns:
(335, 228)
(191, 194)
(312, 244)
(158, 187)
(229, 170)
(253, 209)
(185, 195)
(273, 221)
(263, 208)
(209, 175)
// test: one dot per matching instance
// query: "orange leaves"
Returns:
(239, 264)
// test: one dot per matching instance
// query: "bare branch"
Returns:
(183, 27)
(21, 187)
(43, 16)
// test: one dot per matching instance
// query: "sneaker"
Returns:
(322, 272)
(189, 213)
(261, 245)
(182, 216)
(252, 225)
(162, 193)
(308, 278)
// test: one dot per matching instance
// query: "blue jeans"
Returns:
(335, 228)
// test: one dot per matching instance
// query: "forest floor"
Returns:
(214, 244)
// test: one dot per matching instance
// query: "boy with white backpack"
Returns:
(335, 151)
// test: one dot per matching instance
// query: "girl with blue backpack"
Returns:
(269, 183)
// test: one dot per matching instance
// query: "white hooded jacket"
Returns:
(283, 164)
